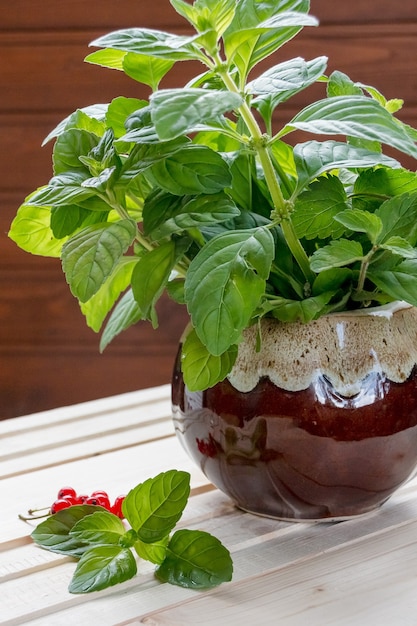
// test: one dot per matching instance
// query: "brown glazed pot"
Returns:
(320, 424)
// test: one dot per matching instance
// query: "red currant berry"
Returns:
(71, 499)
(82, 499)
(59, 504)
(95, 494)
(116, 509)
(66, 491)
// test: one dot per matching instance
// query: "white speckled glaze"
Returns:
(342, 347)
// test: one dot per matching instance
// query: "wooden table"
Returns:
(359, 572)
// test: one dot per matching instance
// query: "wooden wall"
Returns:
(48, 357)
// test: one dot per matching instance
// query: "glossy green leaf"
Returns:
(63, 189)
(99, 528)
(259, 29)
(361, 222)
(113, 59)
(31, 231)
(202, 370)
(154, 507)
(400, 283)
(197, 560)
(356, 116)
(191, 171)
(119, 110)
(90, 118)
(150, 42)
(151, 274)
(304, 311)
(164, 214)
(179, 111)
(68, 148)
(99, 305)
(314, 158)
(90, 257)
(207, 14)
(316, 208)
(398, 216)
(54, 532)
(125, 314)
(101, 567)
(145, 69)
(336, 254)
(225, 283)
(400, 246)
(153, 552)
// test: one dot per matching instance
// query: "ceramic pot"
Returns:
(319, 424)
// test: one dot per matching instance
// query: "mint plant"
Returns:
(196, 192)
(105, 548)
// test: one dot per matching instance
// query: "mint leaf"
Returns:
(101, 567)
(201, 369)
(336, 254)
(313, 158)
(101, 527)
(31, 231)
(179, 111)
(54, 532)
(315, 209)
(400, 246)
(125, 314)
(225, 283)
(90, 256)
(303, 311)
(398, 217)
(155, 506)
(361, 222)
(400, 283)
(153, 552)
(195, 559)
(191, 171)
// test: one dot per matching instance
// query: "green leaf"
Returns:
(201, 369)
(54, 532)
(101, 567)
(154, 507)
(361, 222)
(146, 69)
(31, 231)
(101, 527)
(191, 171)
(207, 14)
(119, 110)
(153, 552)
(225, 283)
(314, 158)
(63, 189)
(151, 274)
(331, 280)
(400, 246)
(125, 314)
(283, 81)
(68, 148)
(151, 42)
(113, 59)
(260, 28)
(88, 118)
(398, 216)
(356, 116)
(336, 254)
(165, 214)
(339, 84)
(99, 305)
(400, 283)
(179, 111)
(315, 209)
(195, 560)
(90, 257)
(303, 311)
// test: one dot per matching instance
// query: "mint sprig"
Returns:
(106, 549)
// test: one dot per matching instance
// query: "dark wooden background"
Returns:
(48, 357)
